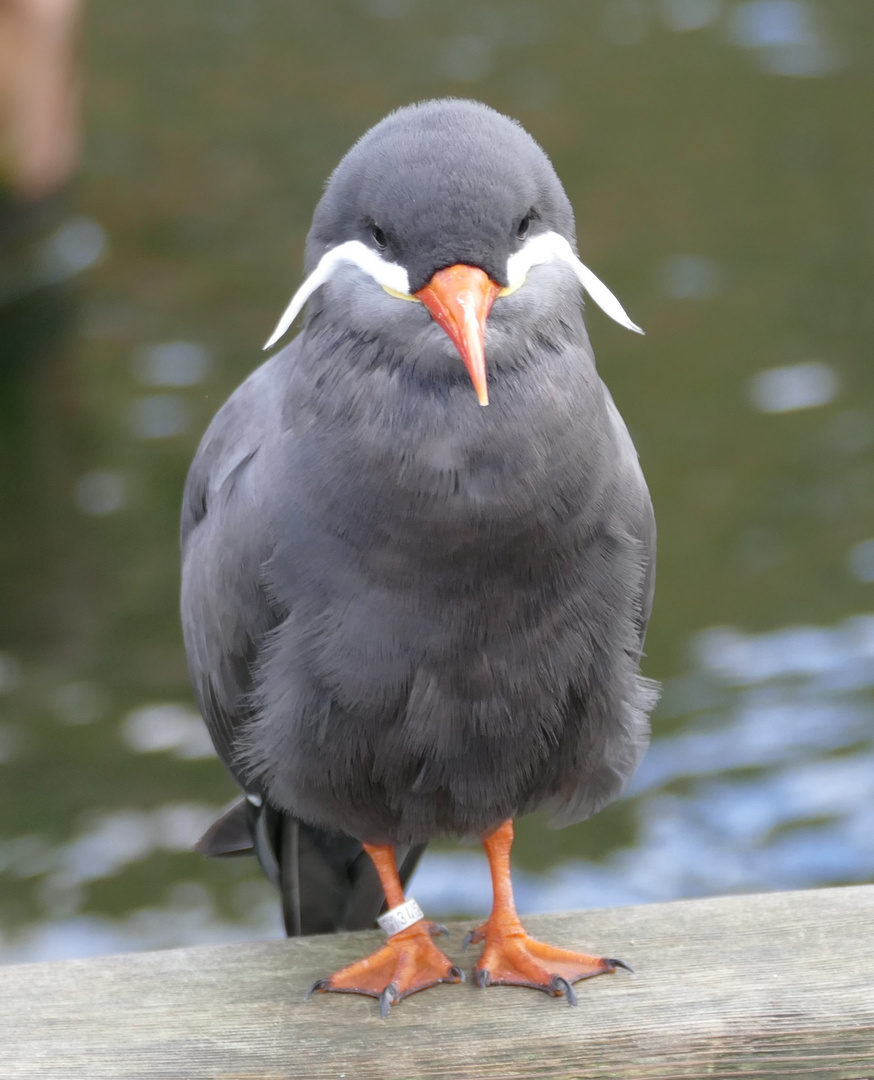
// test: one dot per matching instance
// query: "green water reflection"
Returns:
(719, 158)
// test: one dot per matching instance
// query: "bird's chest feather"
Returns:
(445, 586)
(439, 562)
(430, 473)
(445, 495)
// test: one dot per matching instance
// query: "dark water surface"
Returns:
(719, 157)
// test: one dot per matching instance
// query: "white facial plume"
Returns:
(547, 247)
(390, 275)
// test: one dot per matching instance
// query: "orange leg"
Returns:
(410, 960)
(510, 956)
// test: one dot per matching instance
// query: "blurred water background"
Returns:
(719, 157)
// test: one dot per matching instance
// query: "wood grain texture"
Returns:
(777, 985)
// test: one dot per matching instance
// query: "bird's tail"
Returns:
(326, 881)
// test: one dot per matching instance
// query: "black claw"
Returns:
(439, 930)
(468, 940)
(618, 963)
(481, 978)
(386, 999)
(456, 973)
(319, 984)
(560, 985)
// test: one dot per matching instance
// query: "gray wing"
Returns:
(614, 698)
(634, 513)
(225, 543)
(326, 881)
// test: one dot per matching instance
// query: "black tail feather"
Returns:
(327, 882)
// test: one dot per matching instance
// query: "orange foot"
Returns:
(410, 961)
(512, 958)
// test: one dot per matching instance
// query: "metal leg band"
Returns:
(400, 917)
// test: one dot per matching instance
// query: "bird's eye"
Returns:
(379, 237)
(524, 225)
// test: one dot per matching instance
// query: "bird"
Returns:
(418, 552)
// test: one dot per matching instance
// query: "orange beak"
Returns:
(460, 299)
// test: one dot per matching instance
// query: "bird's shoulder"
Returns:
(244, 427)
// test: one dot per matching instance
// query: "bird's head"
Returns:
(450, 204)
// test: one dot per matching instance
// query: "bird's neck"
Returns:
(387, 454)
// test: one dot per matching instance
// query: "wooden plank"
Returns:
(777, 985)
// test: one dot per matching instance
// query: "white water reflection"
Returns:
(77, 245)
(189, 918)
(167, 727)
(787, 37)
(107, 843)
(861, 561)
(172, 363)
(795, 386)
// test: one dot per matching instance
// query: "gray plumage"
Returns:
(408, 616)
